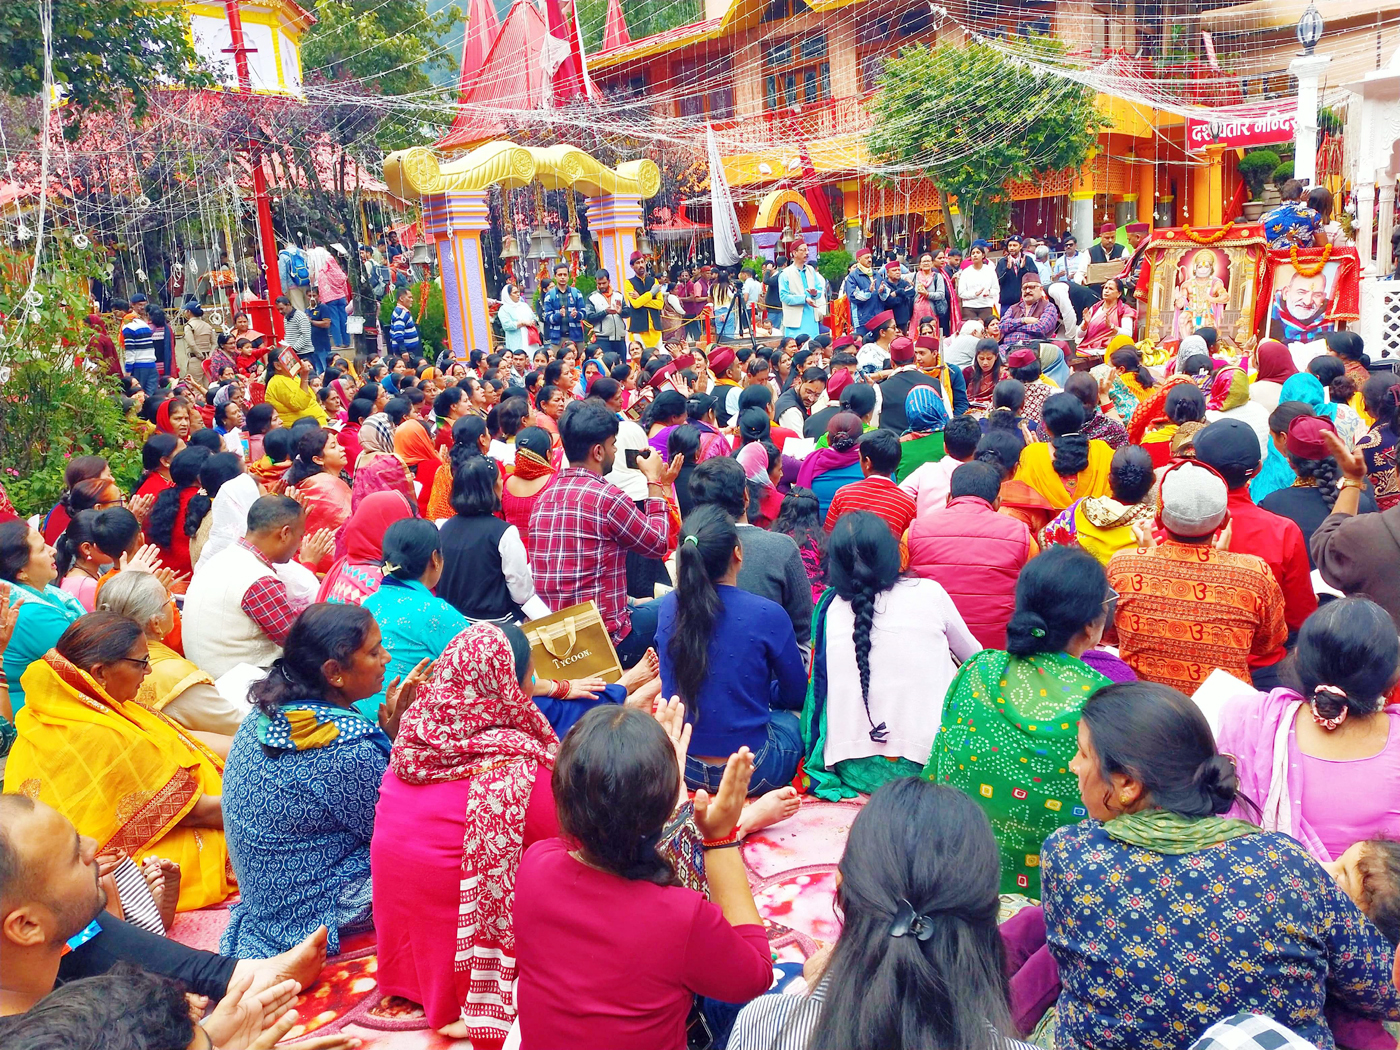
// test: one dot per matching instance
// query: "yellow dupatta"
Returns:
(124, 774)
(1036, 469)
(171, 674)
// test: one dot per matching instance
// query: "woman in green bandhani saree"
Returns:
(1010, 718)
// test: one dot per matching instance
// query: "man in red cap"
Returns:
(897, 294)
(727, 372)
(894, 389)
(646, 298)
(862, 288)
(1105, 250)
(1034, 320)
(1137, 243)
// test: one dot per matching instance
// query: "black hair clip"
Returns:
(908, 922)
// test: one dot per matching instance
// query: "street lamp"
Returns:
(1310, 29)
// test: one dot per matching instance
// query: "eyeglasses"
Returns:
(120, 501)
(1110, 602)
(144, 662)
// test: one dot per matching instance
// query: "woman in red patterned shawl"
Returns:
(468, 789)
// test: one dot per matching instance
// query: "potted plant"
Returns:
(1256, 168)
(1284, 172)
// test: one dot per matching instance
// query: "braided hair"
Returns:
(862, 563)
(708, 539)
(1063, 415)
(1325, 472)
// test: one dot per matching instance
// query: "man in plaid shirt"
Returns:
(582, 527)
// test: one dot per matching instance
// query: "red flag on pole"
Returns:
(615, 30)
(560, 59)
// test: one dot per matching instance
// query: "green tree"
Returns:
(390, 50)
(103, 52)
(644, 17)
(973, 122)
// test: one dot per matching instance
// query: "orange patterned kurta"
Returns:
(1185, 610)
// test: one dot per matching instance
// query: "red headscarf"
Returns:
(360, 546)
(1275, 362)
(473, 722)
(163, 423)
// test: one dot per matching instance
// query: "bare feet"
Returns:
(302, 964)
(456, 1030)
(163, 878)
(644, 699)
(776, 805)
(643, 671)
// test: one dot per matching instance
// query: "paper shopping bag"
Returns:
(573, 643)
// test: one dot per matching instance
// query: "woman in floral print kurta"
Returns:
(1164, 918)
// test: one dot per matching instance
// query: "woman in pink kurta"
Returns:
(466, 791)
(1323, 762)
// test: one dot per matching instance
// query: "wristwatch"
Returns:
(1351, 483)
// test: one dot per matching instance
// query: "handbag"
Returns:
(532, 335)
(573, 643)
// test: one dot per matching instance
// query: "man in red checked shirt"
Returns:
(243, 601)
(582, 527)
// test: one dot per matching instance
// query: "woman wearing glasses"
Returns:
(1011, 716)
(123, 774)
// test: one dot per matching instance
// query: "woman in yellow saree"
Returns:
(124, 774)
(1069, 466)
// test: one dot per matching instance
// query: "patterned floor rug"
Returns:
(791, 869)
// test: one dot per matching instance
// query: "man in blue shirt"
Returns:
(320, 329)
(563, 309)
(403, 333)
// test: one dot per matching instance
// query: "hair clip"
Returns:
(1334, 693)
(1037, 632)
(908, 922)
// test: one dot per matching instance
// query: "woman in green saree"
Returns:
(1011, 717)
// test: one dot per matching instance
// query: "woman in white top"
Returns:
(883, 647)
(517, 319)
(978, 288)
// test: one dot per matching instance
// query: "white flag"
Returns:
(726, 223)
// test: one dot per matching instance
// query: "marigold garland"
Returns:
(1209, 238)
(1302, 267)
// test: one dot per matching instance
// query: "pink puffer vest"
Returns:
(976, 554)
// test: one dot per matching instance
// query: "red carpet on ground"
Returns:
(791, 867)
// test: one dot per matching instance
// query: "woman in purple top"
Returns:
(1323, 760)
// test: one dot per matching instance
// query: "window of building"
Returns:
(626, 89)
(871, 66)
(796, 72)
(777, 10)
(704, 87)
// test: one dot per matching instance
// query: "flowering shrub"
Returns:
(52, 407)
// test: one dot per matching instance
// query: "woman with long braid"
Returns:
(882, 655)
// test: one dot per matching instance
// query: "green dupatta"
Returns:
(1010, 727)
(1174, 835)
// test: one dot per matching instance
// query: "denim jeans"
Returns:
(773, 766)
(147, 375)
(336, 309)
(642, 636)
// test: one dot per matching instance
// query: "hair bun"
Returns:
(1218, 782)
(1329, 701)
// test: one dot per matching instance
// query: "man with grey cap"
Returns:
(1187, 604)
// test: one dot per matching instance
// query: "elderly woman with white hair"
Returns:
(960, 350)
(175, 687)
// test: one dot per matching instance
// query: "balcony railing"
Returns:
(839, 116)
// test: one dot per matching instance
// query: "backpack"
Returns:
(296, 268)
(381, 281)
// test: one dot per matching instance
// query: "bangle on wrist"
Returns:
(560, 690)
(731, 839)
(719, 845)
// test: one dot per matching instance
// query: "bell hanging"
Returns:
(575, 245)
(508, 247)
(644, 244)
(541, 244)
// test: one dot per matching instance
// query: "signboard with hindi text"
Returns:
(1239, 127)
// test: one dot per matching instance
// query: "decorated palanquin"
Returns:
(1192, 279)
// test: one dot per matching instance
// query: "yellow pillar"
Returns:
(1215, 188)
(1200, 192)
(1147, 190)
